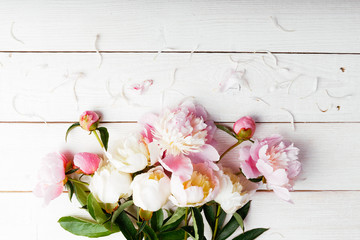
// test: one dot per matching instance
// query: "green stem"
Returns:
(216, 221)
(231, 148)
(97, 137)
(77, 181)
(186, 221)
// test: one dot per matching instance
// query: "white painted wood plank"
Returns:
(32, 77)
(315, 215)
(329, 151)
(321, 26)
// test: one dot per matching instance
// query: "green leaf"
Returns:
(210, 215)
(226, 129)
(221, 218)
(95, 209)
(81, 193)
(82, 227)
(104, 135)
(190, 230)
(174, 220)
(121, 208)
(157, 220)
(233, 224)
(149, 231)
(172, 235)
(71, 128)
(243, 212)
(126, 226)
(70, 188)
(141, 227)
(111, 226)
(198, 224)
(255, 180)
(251, 234)
(239, 220)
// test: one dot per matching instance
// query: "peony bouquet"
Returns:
(166, 181)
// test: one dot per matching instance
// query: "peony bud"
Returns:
(51, 176)
(151, 190)
(89, 120)
(244, 127)
(87, 162)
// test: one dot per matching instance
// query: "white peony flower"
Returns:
(151, 190)
(109, 184)
(130, 154)
(235, 191)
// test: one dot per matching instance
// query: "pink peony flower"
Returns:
(87, 162)
(179, 136)
(201, 187)
(89, 120)
(51, 177)
(245, 127)
(273, 159)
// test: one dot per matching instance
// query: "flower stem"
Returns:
(231, 148)
(77, 181)
(99, 140)
(186, 221)
(216, 221)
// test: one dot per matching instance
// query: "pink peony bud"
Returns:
(245, 127)
(51, 176)
(87, 162)
(89, 120)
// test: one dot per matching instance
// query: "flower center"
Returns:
(199, 180)
(156, 175)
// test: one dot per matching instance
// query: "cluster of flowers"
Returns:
(171, 161)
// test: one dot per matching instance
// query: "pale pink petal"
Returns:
(179, 165)
(282, 193)
(155, 152)
(247, 163)
(294, 169)
(87, 162)
(208, 154)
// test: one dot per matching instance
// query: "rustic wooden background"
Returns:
(48, 60)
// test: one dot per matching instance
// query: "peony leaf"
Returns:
(126, 226)
(81, 193)
(95, 209)
(157, 220)
(104, 135)
(121, 208)
(83, 227)
(226, 129)
(251, 234)
(210, 215)
(174, 220)
(239, 220)
(70, 188)
(243, 212)
(233, 224)
(173, 235)
(198, 224)
(148, 231)
(71, 128)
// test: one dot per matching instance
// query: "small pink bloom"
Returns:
(273, 159)
(87, 162)
(245, 127)
(89, 120)
(51, 176)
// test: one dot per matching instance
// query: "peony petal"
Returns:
(247, 164)
(179, 165)
(282, 193)
(208, 154)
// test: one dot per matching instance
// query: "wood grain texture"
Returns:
(328, 164)
(44, 84)
(321, 26)
(311, 217)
